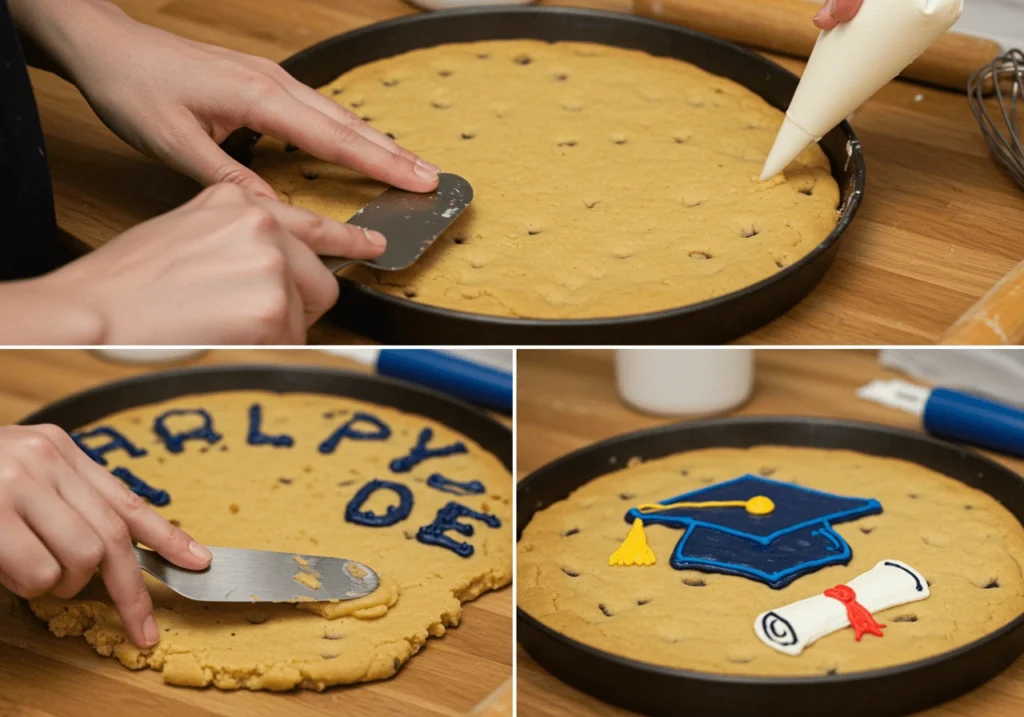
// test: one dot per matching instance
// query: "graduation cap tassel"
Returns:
(634, 549)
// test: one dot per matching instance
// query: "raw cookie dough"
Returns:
(607, 182)
(293, 499)
(969, 547)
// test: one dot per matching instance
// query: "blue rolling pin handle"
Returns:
(969, 419)
(472, 382)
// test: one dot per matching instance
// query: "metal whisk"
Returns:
(998, 114)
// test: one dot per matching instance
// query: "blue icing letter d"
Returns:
(355, 514)
(176, 441)
(117, 441)
(448, 519)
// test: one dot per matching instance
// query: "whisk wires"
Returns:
(998, 114)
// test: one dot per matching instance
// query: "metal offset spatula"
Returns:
(410, 221)
(252, 576)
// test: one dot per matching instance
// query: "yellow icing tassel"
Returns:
(758, 505)
(634, 549)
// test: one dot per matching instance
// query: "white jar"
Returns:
(677, 382)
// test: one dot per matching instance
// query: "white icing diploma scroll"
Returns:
(792, 628)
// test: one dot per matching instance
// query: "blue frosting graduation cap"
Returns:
(756, 528)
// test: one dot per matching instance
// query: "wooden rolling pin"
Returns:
(996, 320)
(785, 27)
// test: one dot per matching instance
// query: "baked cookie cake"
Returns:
(608, 182)
(429, 510)
(773, 561)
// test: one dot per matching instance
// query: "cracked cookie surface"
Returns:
(607, 182)
(293, 499)
(963, 541)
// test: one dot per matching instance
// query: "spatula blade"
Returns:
(410, 221)
(238, 575)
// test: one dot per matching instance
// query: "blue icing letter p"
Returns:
(349, 430)
(175, 441)
(448, 519)
(117, 441)
(355, 514)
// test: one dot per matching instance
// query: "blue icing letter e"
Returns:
(448, 519)
(176, 440)
(355, 514)
(117, 441)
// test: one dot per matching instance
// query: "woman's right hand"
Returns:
(228, 267)
(834, 12)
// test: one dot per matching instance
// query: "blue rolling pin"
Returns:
(954, 415)
(467, 380)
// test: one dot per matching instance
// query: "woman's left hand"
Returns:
(175, 99)
(834, 12)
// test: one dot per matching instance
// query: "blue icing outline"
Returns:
(448, 519)
(394, 514)
(141, 488)
(117, 441)
(257, 437)
(776, 579)
(420, 452)
(175, 441)
(345, 430)
(447, 485)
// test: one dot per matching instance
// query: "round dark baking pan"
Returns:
(399, 321)
(92, 405)
(656, 690)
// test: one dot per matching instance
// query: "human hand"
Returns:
(62, 516)
(834, 12)
(175, 99)
(228, 267)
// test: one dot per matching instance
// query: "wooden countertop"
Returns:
(45, 676)
(567, 400)
(940, 223)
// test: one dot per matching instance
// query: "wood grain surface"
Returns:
(45, 676)
(940, 223)
(567, 400)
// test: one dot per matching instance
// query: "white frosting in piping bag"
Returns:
(853, 61)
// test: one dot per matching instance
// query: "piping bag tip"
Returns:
(789, 142)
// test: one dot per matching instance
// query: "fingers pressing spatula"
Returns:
(410, 221)
(237, 575)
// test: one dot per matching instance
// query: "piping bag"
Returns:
(954, 415)
(851, 62)
(466, 380)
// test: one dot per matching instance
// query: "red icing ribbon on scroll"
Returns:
(859, 616)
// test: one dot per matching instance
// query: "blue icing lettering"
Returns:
(448, 519)
(117, 441)
(448, 485)
(259, 438)
(394, 514)
(176, 441)
(141, 488)
(348, 430)
(420, 453)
